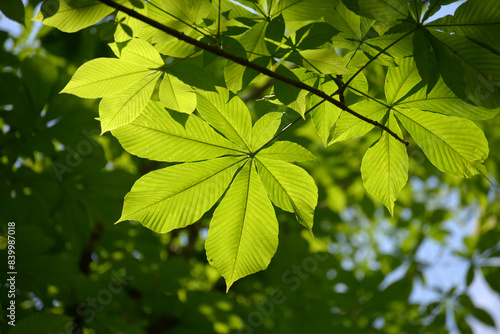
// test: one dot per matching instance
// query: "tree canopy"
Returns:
(251, 166)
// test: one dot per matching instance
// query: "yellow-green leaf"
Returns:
(104, 76)
(243, 234)
(384, 168)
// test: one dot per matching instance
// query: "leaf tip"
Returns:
(229, 283)
(390, 207)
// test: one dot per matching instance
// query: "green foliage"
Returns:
(442, 77)
(221, 178)
(243, 234)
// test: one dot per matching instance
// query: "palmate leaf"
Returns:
(243, 234)
(435, 6)
(384, 168)
(106, 76)
(324, 114)
(442, 100)
(346, 21)
(126, 83)
(127, 24)
(294, 98)
(238, 77)
(284, 92)
(312, 36)
(190, 11)
(140, 52)
(137, 70)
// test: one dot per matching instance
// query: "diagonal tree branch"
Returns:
(244, 62)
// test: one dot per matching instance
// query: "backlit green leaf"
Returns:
(290, 188)
(170, 136)
(324, 117)
(74, 15)
(401, 80)
(243, 234)
(141, 53)
(104, 76)
(442, 100)
(135, 25)
(190, 11)
(325, 61)
(193, 188)
(123, 107)
(454, 145)
(253, 41)
(425, 59)
(385, 167)
(176, 95)
(285, 92)
(349, 126)
(229, 115)
(264, 129)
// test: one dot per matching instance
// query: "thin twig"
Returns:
(242, 61)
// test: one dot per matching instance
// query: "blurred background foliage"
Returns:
(433, 269)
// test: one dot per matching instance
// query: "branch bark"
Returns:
(245, 62)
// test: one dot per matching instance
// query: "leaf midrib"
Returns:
(242, 221)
